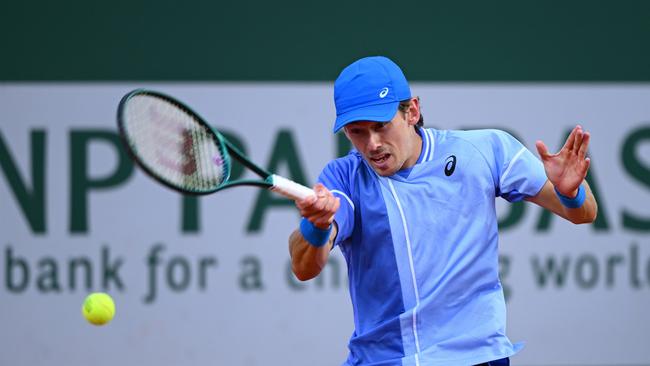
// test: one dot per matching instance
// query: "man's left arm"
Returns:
(566, 193)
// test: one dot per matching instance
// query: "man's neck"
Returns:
(416, 151)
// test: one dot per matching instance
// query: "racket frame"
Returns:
(226, 148)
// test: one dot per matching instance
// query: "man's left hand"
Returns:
(568, 168)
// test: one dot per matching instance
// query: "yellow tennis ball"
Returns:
(98, 308)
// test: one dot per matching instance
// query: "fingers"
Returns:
(319, 209)
(577, 143)
(577, 157)
(568, 145)
(581, 144)
(577, 140)
(308, 201)
(321, 191)
(326, 217)
(542, 150)
(582, 150)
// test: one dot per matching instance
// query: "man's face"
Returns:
(387, 146)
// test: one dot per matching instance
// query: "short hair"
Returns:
(404, 106)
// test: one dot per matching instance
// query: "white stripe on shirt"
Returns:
(425, 141)
(431, 144)
(344, 196)
(410, 254)
(510, 165)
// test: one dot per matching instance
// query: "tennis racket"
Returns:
(179, 149)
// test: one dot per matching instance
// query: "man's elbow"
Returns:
(583, 220)
(304, 273)
(586, 219)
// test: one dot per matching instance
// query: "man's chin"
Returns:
(384, 172)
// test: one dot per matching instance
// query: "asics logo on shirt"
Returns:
(383, 93)
(450, 165)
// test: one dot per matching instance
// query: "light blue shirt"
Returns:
(422, 248)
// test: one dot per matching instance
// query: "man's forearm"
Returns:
(307, 261)
(585, 213)
(548, 199)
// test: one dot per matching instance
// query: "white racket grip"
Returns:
(289, 188)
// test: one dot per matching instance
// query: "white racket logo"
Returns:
(383, 93)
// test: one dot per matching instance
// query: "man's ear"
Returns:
(345, 131)
(414, 111)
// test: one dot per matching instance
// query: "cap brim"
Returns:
(374, 113)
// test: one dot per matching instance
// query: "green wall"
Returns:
(303, 40)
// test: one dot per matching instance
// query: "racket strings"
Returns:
(173, 144)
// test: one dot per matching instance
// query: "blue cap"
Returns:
(370, 89)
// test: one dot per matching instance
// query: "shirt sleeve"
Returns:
(518, 171)
(336, 177)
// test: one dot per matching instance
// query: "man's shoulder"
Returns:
(480, 139)
(344, 166)
(476, 135)
(350, 161)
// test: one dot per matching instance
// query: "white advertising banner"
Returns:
(207, 281)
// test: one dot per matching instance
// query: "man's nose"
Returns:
(374, 142)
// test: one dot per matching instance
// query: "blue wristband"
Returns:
(575, 202)
(314, 236)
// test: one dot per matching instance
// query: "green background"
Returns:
(305, 40)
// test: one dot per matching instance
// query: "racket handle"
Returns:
(289, 188)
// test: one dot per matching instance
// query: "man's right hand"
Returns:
(307, 261)
(319, 209)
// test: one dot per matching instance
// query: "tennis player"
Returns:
(413, 211)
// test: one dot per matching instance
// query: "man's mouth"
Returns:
(380, 158)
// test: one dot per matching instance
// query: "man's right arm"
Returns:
(308, 260)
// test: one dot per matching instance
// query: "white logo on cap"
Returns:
(383, 93)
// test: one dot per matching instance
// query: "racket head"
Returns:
(172, 143)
